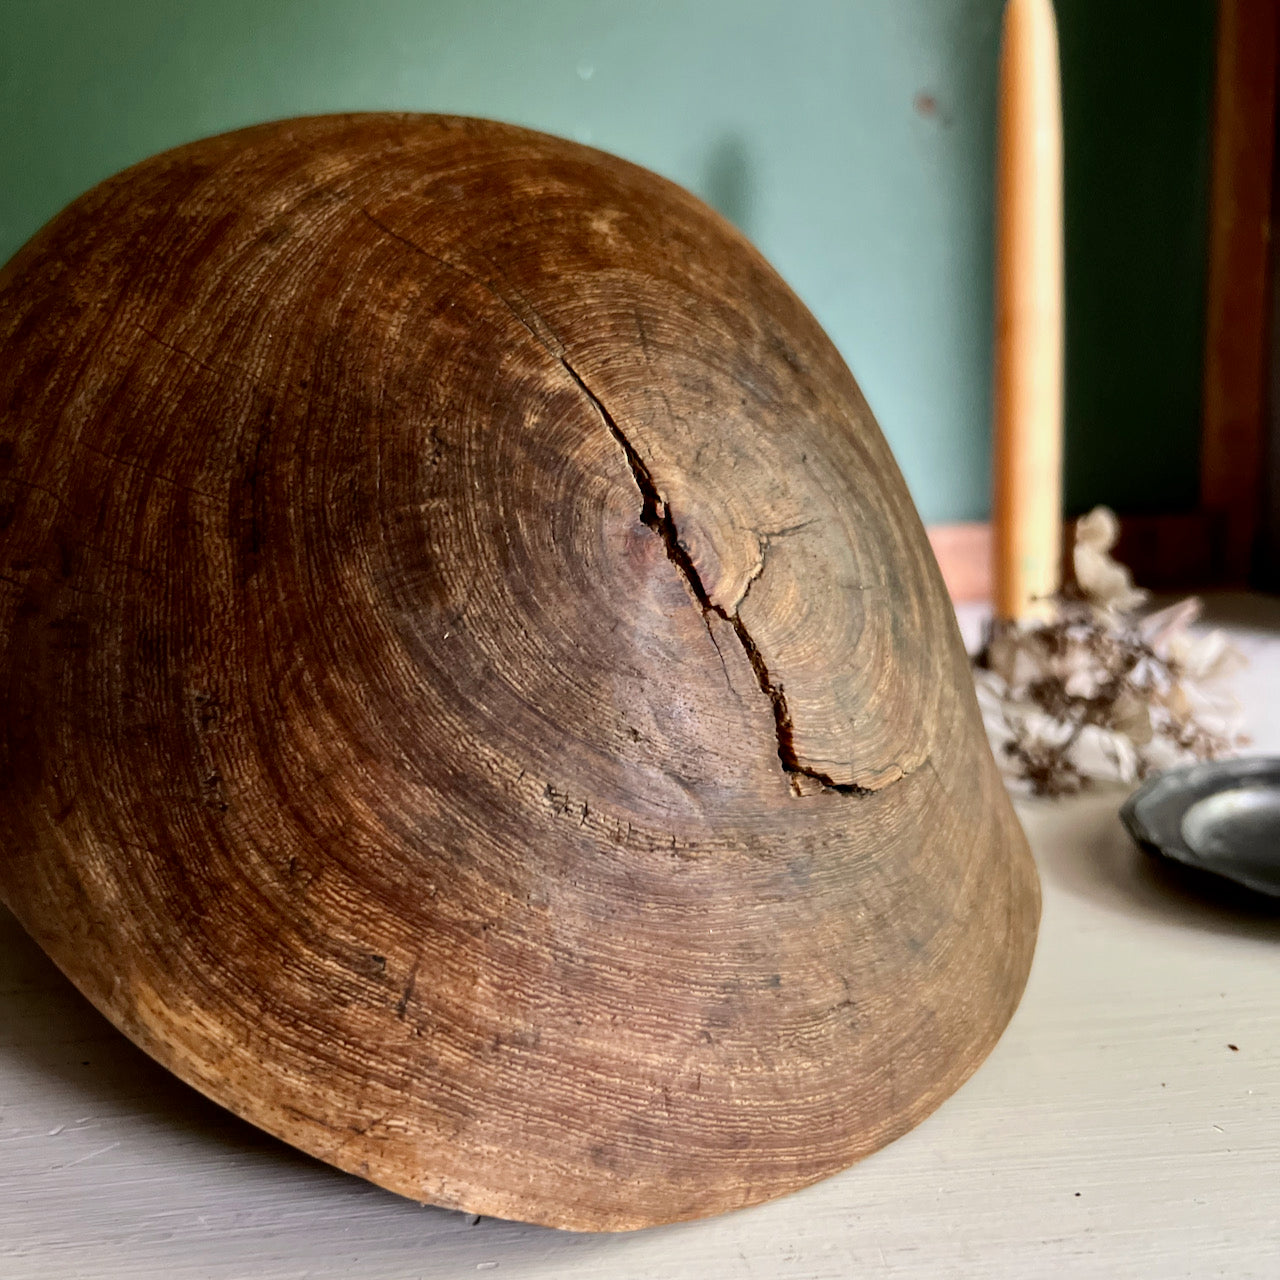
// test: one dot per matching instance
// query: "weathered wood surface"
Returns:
(1111, 1135)
(476, 698)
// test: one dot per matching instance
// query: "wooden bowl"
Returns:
(478, 701)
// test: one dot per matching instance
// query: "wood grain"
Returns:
(476, 698)
(1111, 1134)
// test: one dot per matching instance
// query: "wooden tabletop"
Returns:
(1127, 1125)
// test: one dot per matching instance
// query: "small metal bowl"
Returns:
(1222, 817)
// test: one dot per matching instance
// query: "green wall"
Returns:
(852, 139)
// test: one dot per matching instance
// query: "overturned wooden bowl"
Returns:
(478, 701)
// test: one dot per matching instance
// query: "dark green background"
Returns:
(852, 139)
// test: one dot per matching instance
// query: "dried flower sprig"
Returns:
(1100, 691)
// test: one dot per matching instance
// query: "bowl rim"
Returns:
(1153, 814)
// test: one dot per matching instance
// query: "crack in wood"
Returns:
(655, 514)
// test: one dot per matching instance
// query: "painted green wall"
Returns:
(852, 139)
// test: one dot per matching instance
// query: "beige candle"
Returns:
(1027, 497)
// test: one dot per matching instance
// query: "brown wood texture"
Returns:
(477, 698)
(1235, 369)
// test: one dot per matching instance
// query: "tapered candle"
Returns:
(1027, 496)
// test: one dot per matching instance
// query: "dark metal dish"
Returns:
(1221, 817)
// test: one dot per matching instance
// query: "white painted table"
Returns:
(1114, 1132)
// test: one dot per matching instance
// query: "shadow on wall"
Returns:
(726, 181)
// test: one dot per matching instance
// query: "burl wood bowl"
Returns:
(478, 701)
